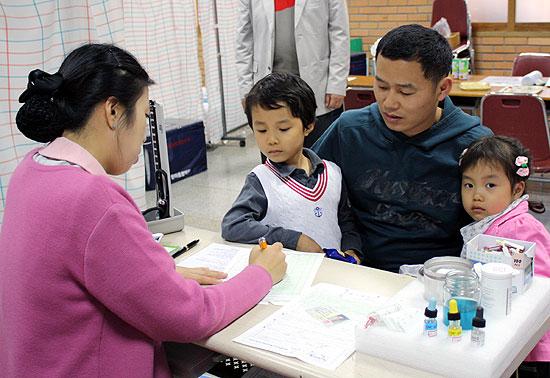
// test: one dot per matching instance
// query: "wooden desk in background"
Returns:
(352, 276)
(368, 82)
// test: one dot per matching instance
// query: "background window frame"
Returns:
(511, 24)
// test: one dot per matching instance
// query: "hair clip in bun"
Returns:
(521, 161)
(41, 83)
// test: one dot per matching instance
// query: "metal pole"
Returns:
(242, 140)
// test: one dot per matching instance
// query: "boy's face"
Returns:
(279, 135)
(486, 190)
(407, 100)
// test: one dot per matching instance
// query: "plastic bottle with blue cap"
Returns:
(430, 319)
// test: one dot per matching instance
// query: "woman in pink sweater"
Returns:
(494, 174)
(84, 289)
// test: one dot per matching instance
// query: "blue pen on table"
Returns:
(186, 248)
(335, 254)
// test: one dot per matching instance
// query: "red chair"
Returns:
(528, 62)
(521, 116)
(358, 98)
(458, 17)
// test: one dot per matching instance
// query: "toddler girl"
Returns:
(494, 174)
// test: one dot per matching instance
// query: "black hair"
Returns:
(65, 100)
(498, 151)
(277, 88)
(417, 43)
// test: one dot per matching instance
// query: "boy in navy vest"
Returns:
(295, 197)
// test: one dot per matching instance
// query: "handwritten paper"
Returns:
(317, 328)
(221, 257)
(301, 268)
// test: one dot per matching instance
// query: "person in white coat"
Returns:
(309, 38)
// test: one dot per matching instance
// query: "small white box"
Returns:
(523, 263)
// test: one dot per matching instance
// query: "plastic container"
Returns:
(496, 289)
(464, 287)
(463, 68)
(430, 319)
(433, 272)
(477, 336)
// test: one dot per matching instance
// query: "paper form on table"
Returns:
(301, 268)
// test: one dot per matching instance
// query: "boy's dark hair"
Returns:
(500, 151)
(417, 43)
(277, 88)
(65, 100)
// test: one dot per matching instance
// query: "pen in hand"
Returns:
(263, 243)
(186, 248)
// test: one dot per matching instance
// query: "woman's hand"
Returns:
(271, 259)
(203, 276)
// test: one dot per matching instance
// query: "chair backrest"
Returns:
(527, 62)
(358, 98)
(522, 117)
(456, 13)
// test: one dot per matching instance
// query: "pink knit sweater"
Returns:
(84, 289)
(519, 224)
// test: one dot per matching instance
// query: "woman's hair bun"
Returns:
(41, 84)
(37, 119)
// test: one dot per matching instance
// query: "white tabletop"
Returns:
(361, 278)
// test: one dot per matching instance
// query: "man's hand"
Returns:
(203, 276)
(351, 252)
(333, 101)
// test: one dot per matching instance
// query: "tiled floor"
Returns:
(206, 197)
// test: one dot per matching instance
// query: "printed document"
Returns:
(317, 328)
(301, 268)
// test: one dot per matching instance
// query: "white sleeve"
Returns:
(244, 57)
(338, 30)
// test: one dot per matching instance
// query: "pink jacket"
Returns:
(519, 224)
(84, 289)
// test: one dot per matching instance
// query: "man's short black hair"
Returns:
(418, 43)
(277, 88)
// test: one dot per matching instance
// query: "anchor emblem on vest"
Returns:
(318, 212)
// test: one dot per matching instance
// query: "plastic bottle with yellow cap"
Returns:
(455, 329)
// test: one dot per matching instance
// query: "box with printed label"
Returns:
(186, 151)
(523, 263)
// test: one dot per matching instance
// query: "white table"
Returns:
(356, 277)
